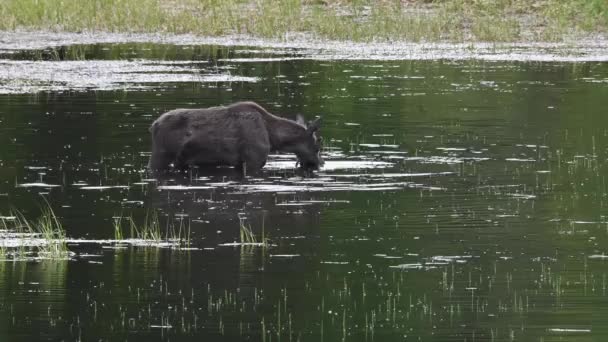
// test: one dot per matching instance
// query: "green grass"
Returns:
(356, 20)
(246, 234)
(53, 232)
(117, 223)
(151, 229)
(47, 227)
(247, 237)
(540, 20)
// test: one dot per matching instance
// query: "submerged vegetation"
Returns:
(358, 20)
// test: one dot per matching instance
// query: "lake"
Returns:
(461, 200)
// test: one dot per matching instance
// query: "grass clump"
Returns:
(44, 237)
(117, 220)
(356, 20)
(53, 233)
(246, 233)
(247, 237)
(151, 230)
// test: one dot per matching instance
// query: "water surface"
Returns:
(461, 200)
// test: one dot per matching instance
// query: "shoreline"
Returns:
(301, 46)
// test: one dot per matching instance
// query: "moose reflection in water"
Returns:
(239, 135)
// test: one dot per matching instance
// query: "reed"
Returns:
(47, 227)
(150, 229)
(246, 233)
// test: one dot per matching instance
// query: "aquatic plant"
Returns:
(184, 229)
(246, 234)
(247, 237)
(46, 235)
(150, 229)
(52, 232)
(117, 227)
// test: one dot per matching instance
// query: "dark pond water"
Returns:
(460, 201)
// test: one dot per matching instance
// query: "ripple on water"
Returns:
(37, 185)
(20, 76)
(331, 165)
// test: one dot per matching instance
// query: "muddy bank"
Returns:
(302, 46)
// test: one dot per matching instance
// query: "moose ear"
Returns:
(314, 125)
(300, 120)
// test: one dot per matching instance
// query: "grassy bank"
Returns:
(357, 20)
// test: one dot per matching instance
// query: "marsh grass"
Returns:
(246, 233)
(544, 20)
(247, 237)
(53, 233)
(117, 223)
(151, 229)
(45, 237)
(47, 227)
(356, 20)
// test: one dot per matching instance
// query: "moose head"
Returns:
(308, 147)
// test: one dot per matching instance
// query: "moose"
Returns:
(239, 135)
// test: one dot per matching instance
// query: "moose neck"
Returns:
(282, 132)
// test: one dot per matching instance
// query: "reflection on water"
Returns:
(459, 200)
(34, 297)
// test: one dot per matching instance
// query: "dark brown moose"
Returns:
(240, 135)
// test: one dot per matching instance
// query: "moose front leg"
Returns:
(185, 155)
(244, 169)
(253, 158)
